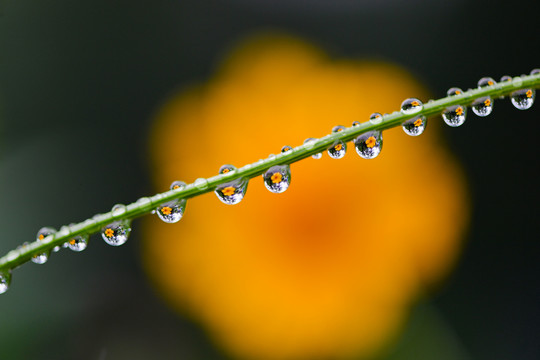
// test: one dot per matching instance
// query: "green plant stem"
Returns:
(144, 206)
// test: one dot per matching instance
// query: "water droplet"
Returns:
(116, 233)
(535, 71)
(78, 243)
(369, 144)
(118, 210)
(411, 106)
(5, 280)
(44, 232)
(233, 192)
(454, 91)
(376, 118)
(227, 169)
(486, 81)
(415, 126)
(40, 258)
(338, 150)
(482, 106)
(356, 123)
(172, 211)
(278, 178)
(286, 148)
(454, 115)
(177, 185)
(523, 99)
(201, 184)
(338, 128)
(312, 141)
(506, 78)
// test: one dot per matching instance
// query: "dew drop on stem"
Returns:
(5, 281)
(482, 106)
(338, 150)
(369, 144)
(411, 106)
(415, 126)
(233, 192)
(278, 178)
(523, 99)
(116, 233)
(454, 116)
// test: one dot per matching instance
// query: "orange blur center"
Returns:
(109, 233)
(166, 210)
(459, 111)
(316, 283)
(418, 122)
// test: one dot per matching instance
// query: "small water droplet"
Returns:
(338, 128)
(177, 185)
(233, 192)
(172, 211)
(369, 144)
(286, 148)
(227, 169)
(338, 150)
(376, 118)
(523, 99)
(118, 210)
(506, 78)
(455, 115)
(454, 91)
(356, 123)
(310, 143)
(482, 106)
(278, 178)
(78, 243)
(415, 126)
(44, 232)
(116, 233)
(411, 106)
(201, 184)
(5, 280)
(486, 81)
(535, 71)
(40, 258)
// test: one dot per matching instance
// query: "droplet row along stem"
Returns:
(146, 205)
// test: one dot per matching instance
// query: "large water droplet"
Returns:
(454, 91)
(78, 243)
(376, 118)
(338, 150)
(116, 233)
(486, 81)
(5, 280)
(415, 126)
(454, 115)
(411, 106)
(172, 211)
(233, 192)
(482, 106)
(523, 99)
(369, 144)
(311, 142)
(278, 178)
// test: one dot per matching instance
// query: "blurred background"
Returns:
(81, 87)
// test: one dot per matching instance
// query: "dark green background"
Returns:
(80, 81)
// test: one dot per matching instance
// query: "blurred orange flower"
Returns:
(330, 268)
